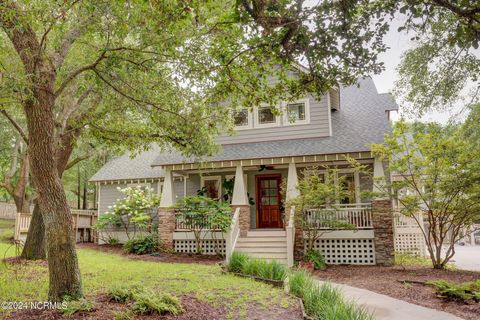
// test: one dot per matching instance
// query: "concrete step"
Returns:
(261, 249)
(265, 255)
(262, 239)
(264, 244)
(267, 233)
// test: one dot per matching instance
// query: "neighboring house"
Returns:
(265, 150)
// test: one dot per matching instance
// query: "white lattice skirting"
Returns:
(208, 246)
(347, 251)
(410, 243)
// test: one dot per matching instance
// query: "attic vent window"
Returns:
(296, 112)
(266, 116)
(240, 118)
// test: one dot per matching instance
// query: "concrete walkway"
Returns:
(387, 308)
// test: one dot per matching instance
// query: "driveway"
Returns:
(467, 257)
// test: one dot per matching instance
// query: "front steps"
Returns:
(264, 244)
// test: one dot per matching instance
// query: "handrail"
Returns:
(232, 235)
(321, 218)
(290, 231)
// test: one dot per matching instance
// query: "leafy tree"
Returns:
(316, 201)
(200, 214)
(443, 67)
(438, 175)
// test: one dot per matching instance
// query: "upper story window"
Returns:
(266, 118)
(297, 112)
(242, 119)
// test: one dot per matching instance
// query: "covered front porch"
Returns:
(257, 190)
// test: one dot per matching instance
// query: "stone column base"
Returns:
(166, 228)
(382, 215)
(244, 219)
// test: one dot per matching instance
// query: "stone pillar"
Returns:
(240, 200)
(166, 228)
(382, 219)
(244, 218)
(299, 246)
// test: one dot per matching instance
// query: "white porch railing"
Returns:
(290, 230)
(232, 235)
(359, 215)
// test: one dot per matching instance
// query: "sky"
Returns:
(399, 42)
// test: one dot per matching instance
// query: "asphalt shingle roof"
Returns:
(360, 121)
(125, 167)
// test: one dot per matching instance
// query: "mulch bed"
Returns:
(390, 281)
(193, 310)
(157, 257)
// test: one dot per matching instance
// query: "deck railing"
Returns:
(290, 231)
(82, 219)
(358, 215)
(185, 222)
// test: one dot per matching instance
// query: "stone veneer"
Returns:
(382, 217)
(244, 219)
(166, 228)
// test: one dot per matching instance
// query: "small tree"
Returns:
(133, 212)
(319, 192)
(200, 214)
(438, 174)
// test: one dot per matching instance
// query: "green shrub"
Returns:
(242, 263)
(317, 259)
(148, 244)
(122, 293)
(237, 261)
(457, 291)
(74, 306)
(124, 315)
(151, 303)
(323, 301)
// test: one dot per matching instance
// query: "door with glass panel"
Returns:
(268, 201)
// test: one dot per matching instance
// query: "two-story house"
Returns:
(265, 150)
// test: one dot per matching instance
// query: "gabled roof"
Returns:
(360, 121)
(126, 168)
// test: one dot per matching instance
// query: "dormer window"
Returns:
(242, 119)
(266, 118)
(297, 112)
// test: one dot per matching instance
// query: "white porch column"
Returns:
(292, 182)
(168, 197)
(378, 176)
(239, 196)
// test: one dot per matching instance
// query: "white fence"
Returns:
(359, 215)
(409, 237)
(9, 210)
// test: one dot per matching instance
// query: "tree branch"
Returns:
(15, 125)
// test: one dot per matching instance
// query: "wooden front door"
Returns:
(268, 201)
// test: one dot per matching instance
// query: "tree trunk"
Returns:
(34, 248)
(64, 273)
(85, 197)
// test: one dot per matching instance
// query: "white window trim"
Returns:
(249, 118)
(286, 121)
(265, 125)
(215, 178)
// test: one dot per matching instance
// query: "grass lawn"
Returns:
(100, 271)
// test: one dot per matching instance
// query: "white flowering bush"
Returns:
(133, 213)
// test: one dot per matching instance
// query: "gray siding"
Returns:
(319, 126)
